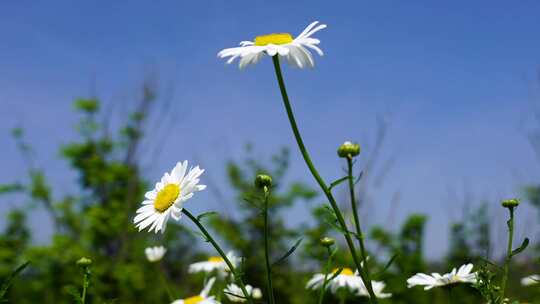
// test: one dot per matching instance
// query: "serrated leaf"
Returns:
(522, 247)
(206, 214)
(9, 280)
(387, 265)
(288, 253)
(337, 182)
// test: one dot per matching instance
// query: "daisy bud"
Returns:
(327, 242)
(263, 181)
(84, 262)
(348, 150)
(510, 203)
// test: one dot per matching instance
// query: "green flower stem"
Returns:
(164, 281)
(510, 224)
(267, 250)
(359, 233)
(326, 272)
(86, 283)
(207, 235)
(320, 181)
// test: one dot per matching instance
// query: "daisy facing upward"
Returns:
(295, 50)
(168, 197)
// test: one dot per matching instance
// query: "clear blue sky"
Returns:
(456, 80)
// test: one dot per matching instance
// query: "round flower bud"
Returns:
(348, 149)
(510, 203)
(83, 262)
(262, 181)
(327, 242)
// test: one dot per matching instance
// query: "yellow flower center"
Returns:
(193, 300)
(166, 197)
(278, 38)
(215, 259)
(346, 271)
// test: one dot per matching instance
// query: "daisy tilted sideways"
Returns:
(234, 293)
(168, 197)
(215, 264)
(462, 275)
(345, 279)
(201, 298)
(296, 51)
(154, 254)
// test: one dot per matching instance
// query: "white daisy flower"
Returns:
(346, 279)
(530, 280)
(377, 289)
(462, 275)
(154, 254)
(296, 50)
(215, 264)
(168, 197)
(201, 298)
(234, 293)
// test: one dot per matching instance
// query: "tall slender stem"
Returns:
(318, 178)
(86, 282)
(510, 224)
(360, 235)
(164, 281)
(326, 272)
(267, 249)
(207, 235)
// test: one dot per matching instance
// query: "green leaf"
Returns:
(335, 274)
(338, 181)
(9, 280)
(206, 214)
(520, 248)
(71, 290)
(9, 188)
(288, 253)
(388, 264)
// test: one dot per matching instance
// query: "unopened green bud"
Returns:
(262, 181)
(510, 203)
(327, 242)
(83, 262)
(348, 149)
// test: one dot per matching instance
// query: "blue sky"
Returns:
(457, 81)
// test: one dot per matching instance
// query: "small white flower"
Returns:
(234, 293)
(377, 289)
(201, 298)
(346, 279)
(168, 197)
(154, 254)
(296, 50)
(215, 264)
(530, 280)
(462, 275)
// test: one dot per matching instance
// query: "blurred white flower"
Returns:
(154, 254)
(530, 280)
(234, 293)
(462, 275)
(201, 298)
(215, 264)
(346, 279)
(296, 50)
(168, 197)
(377, 289)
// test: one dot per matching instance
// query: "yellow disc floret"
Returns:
(166, 197)
(278, 38)
(193, 300)
(346, 271)
(215, 259)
